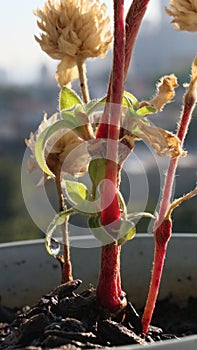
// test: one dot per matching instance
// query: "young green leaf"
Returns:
(94, 105)
(76, 192)
(52, 245)
(79, 197)
(77, 121)
(99, 232)
(69, 98)
(96, 170)
(146, 110)
(135, 215)
(136, 129)
(127, 231)
(130, 100)
(122, 203)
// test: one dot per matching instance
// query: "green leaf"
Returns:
(127, 231)
(94, 105)
(127, 103)
(146, 110)
(135, 215)
(97, 170)
(130, 100)
(76, 192)
(79, 198)
(69, 98)
(78, 121)
(136, 129)
(99, 232)
(52, 245)
(122, 203)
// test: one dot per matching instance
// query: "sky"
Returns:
(20, 53)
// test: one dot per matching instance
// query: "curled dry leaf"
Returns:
(163, 141)
(165, 92)
(64, 151)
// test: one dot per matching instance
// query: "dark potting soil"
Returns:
(64, 319)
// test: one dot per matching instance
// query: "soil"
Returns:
(64, 319)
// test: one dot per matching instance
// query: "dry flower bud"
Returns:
(73, 29)
(192, 87)
(184, 13)
(165, 92)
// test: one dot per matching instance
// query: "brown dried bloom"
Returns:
(65, 151)
(165, 92)
(73, 30)
(184, 13)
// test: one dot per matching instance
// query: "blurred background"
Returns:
(28, 89)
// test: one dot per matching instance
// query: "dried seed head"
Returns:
(71, 29)
(184, 13)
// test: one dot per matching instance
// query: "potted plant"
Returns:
(96, 137)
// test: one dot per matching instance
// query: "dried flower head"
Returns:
(73, 30)
(60, 150)
(184, 13)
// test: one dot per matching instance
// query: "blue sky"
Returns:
(20, 53)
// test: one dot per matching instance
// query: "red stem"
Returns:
(112, 212)
(133, 21)
(109, 291)
(189, 104)
(162, 233)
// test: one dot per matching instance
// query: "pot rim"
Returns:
(91, 237)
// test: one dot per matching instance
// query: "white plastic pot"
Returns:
(27, 272)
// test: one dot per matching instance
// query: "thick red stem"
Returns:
(133, 21)
(162, 236)
(109, 292)
(112, 212)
